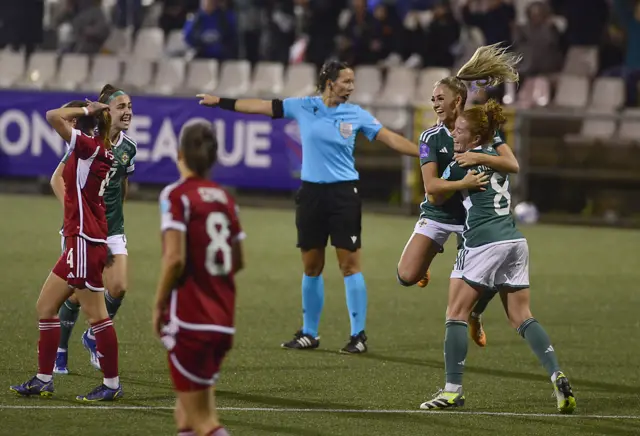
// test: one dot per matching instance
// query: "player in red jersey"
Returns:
(80, 266)
(195, 298)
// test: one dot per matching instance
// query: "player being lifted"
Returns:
(495, 255)
(195, 298)
(116, 187)
(79, 268)
(491, 64)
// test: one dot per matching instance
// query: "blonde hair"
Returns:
(485, 120)
(490, 65)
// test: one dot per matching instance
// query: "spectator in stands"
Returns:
(496, 20)
(628, 12)
(435, 44)
(354, 42)
(89, 27)
(281, 30)
(321, 26)
(250, 22)
(586, 20)
(174, 14)
(213, 31)
(539, 41)
(128, 13)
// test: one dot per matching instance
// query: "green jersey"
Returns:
(436, 145)
(489, 218)
(124, 152)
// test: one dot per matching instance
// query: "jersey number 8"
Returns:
(501, 192)
(218, 231)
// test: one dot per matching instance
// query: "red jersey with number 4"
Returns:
(204, 299)
(85, 177)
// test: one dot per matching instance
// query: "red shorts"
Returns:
(196, 357)
(81, 263)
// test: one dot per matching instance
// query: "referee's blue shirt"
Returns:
(328, 137)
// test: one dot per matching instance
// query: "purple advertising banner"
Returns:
(254, 152)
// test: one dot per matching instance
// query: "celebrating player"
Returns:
(495, 255)
(195, 299)
(81, 264)
(116, 187)
(328, 203)
(492, 65)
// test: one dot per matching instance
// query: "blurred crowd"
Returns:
(413, 33)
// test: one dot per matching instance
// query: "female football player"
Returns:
(495, 255)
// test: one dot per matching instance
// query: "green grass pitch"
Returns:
(584, 292)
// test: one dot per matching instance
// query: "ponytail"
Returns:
(490, 65)
(104, 127)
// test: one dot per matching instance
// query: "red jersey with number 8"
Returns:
(85, 177)
(204, 298)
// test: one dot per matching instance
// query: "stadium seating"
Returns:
(368, 84)
(581, 61)
(426, 79)
(595, 128)
(629, 130)
(149, 44)
(202, 76)
(105, 69)
(170, 76)
(572, 92)
(235, 79)
(268, 80)
(535, 91)
(300, 80)
(397, 93)
(138, 74)
(73, 72)
(41, 69)
(12, 68)
(608, 93)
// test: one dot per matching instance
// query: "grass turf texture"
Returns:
(584, 293)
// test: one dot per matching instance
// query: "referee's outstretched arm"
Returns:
(275, 109)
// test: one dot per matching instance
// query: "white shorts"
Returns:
(437, 232)
(117, 244)
(495, 265)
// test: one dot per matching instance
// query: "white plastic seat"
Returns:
(300, 80)
(74, 70)
(41, 69)
(149, 44)
(235, 79)
(138, 74)
(176, 45)
(608, 93)
(581, 61)
(105, 69)
(368, 83)
(629, 129)
(599, 126)
(12, 68)
(572, 92)
(426, 81)
(170, 76)
(202, 76)
(268, 80)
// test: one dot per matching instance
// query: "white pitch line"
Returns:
(352, 411)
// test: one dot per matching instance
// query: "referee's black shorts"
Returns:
(329, 209)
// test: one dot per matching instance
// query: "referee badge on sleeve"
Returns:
(346, 129)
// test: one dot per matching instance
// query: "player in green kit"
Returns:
(115, 191)
(491, 64)
(495, 255)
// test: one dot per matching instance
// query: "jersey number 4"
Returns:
(219, 232)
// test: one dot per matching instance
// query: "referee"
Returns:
(328, 203)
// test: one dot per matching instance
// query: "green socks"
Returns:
(455, 350)
(68, 316)
(539, 341)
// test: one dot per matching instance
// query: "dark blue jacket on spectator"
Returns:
(213, 35)
(626, 15)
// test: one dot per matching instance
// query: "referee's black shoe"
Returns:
(357, 344)
(302, 341)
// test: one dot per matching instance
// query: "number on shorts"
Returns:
(218, 231)
(70, 258)
(501, 192)
(106, 180)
